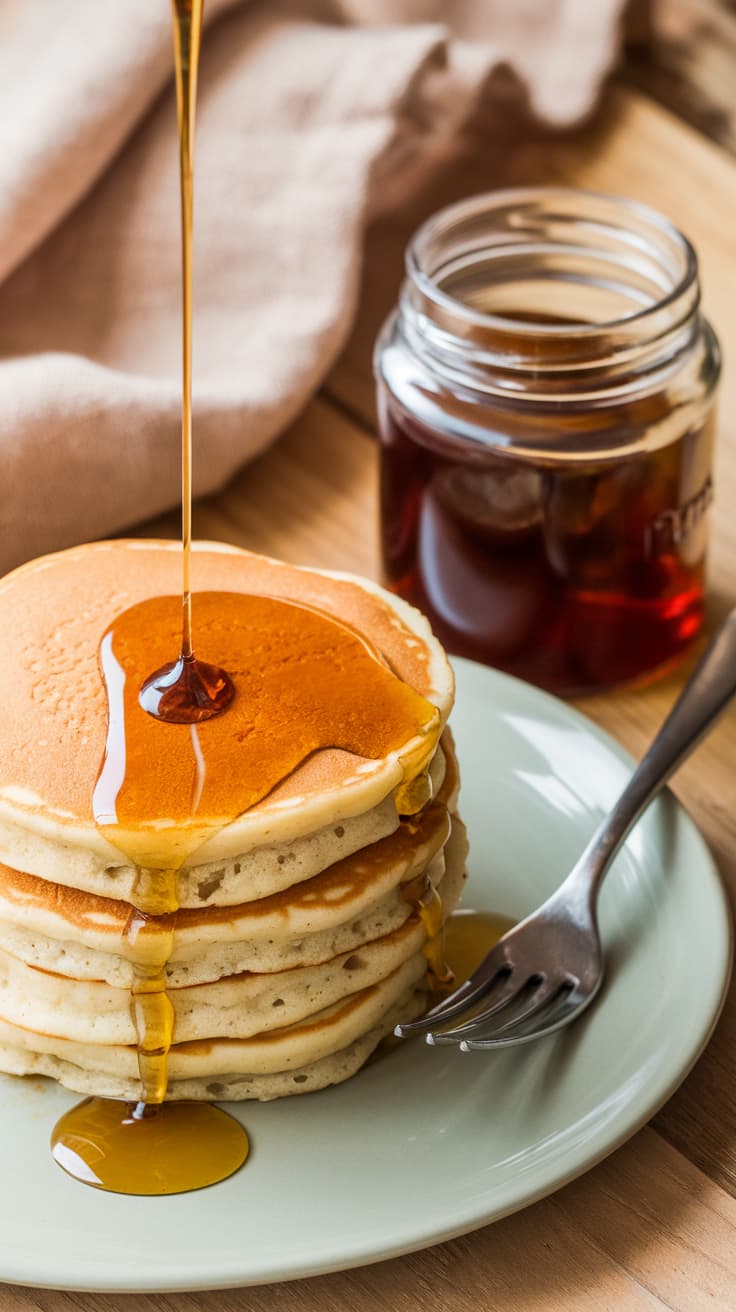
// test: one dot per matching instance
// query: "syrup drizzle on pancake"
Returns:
(103, 1143)
(187, 690)
(288, 682)
(296, 672)
(304, 681)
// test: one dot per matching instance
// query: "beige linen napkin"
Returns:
(307, 111)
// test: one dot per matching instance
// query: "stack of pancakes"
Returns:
(298, 944)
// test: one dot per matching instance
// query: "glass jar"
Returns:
(545, 398)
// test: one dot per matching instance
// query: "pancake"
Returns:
(233, 1087)
(263, 871)
(237, 1006)
(54, 611)
(258, 937)
(211, 1068)
(301, 934)
(70, 932)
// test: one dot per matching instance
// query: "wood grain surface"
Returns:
(654, 1226)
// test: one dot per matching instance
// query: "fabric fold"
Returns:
(305, 118)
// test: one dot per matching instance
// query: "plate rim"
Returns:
(238, 1273)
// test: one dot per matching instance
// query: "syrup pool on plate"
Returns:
(469, 935)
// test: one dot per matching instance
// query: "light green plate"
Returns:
(427, 1143)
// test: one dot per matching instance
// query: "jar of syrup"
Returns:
(545, 395)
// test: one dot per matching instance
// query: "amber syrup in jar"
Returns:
(545, 408)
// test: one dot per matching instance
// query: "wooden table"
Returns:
(654, 1226)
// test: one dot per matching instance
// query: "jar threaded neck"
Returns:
(550, 288)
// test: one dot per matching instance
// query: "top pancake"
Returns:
(53, 613)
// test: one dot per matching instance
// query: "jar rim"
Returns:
(444, 220)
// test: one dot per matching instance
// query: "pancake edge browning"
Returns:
(47, 841)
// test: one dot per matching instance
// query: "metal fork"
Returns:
(546, 970)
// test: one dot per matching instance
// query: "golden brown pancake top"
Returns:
(53, 614)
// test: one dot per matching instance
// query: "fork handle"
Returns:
(703, 699)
